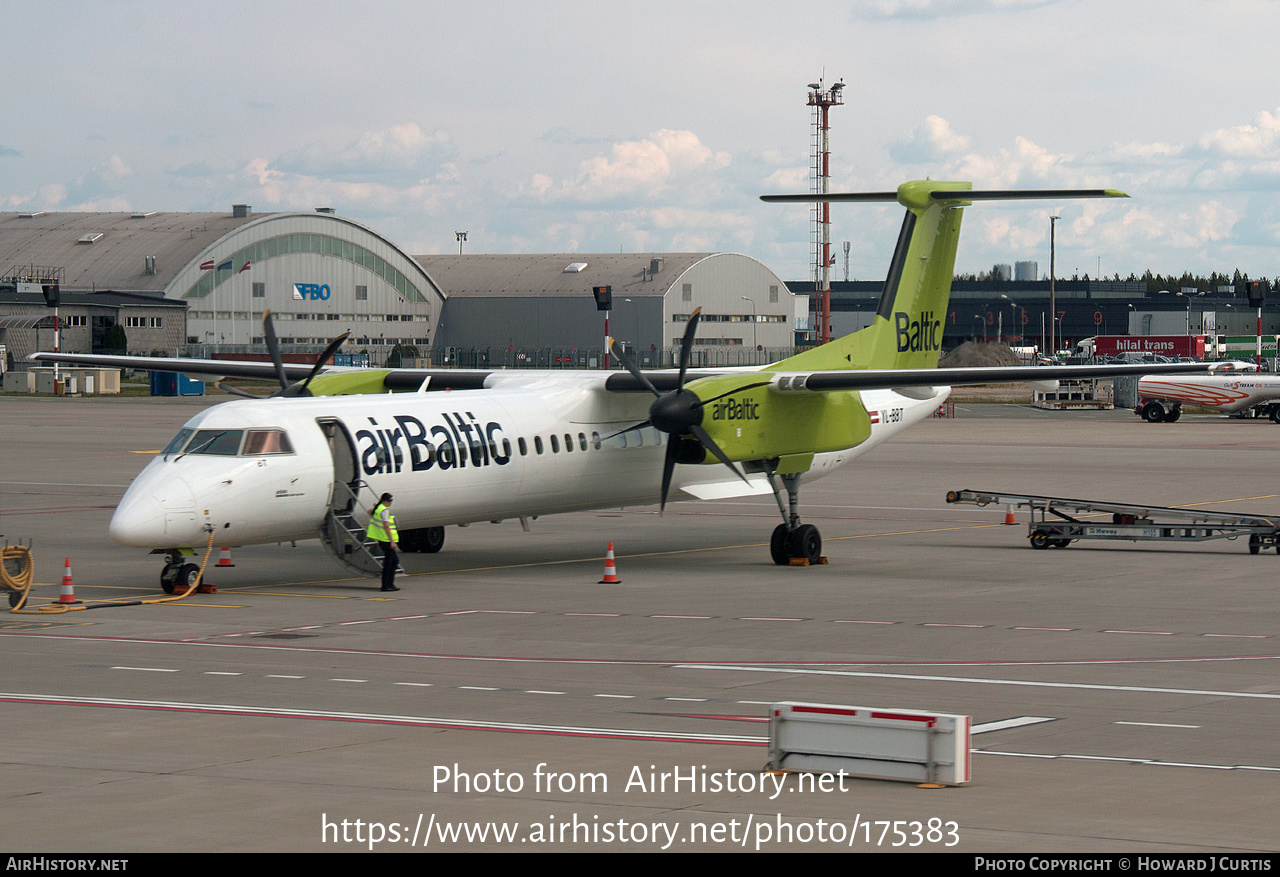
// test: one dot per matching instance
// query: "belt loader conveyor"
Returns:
(1133, 522)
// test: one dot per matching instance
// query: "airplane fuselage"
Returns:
(257, 471)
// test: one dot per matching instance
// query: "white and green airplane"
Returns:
(501, 445)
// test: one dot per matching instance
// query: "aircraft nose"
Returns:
(138, 522)
(144, 514)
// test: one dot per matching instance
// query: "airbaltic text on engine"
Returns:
(917, 335)
(731, 410)
(445, 446)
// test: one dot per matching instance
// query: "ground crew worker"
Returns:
(382, 528)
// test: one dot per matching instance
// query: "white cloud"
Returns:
(927, 9)
(397, 154)
(281, 190)
(1214, 221)
(114, 169)
(50, 197)
(633, 169)
(1259, 140)
(932, 141)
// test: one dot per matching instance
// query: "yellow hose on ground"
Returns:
(21, 581)
(59, 608)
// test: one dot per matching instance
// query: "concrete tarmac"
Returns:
(1123, 694)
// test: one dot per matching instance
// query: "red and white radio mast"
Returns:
(822, 100)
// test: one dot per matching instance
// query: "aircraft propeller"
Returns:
(273, 346)
(679, 412)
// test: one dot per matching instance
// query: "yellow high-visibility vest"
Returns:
(380, 532)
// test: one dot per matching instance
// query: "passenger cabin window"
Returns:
(524, 447)
(595, 440)
(537, 443)
(582, 442)
(555, 444)
(568, 442)
(266, 441)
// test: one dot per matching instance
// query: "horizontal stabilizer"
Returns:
(946, 195)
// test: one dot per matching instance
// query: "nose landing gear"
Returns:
(178, 575)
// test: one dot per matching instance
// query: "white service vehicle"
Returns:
(1160, 398)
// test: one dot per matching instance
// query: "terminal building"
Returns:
(507, 309)
(1018, 313)
(199, 283)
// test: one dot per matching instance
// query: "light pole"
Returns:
(461, 236)
(1188, 298)
(1053, 302)
(1013, 312)
(754, 343)
(984, 328)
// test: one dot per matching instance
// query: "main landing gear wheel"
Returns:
(803, 543)
(1153, 412)
(806, 543)
(792, 540)
(778, 545)
(427, 540)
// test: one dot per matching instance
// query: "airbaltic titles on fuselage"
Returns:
(452, 445)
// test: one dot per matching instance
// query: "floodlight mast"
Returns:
(822, 100)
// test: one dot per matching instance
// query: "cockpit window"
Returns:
(266, 441)
(216, 442)
(178, 441)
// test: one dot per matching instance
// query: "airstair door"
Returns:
(344, 529)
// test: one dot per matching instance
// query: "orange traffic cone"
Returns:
(610, 569)
(1008, 514)
(68, 588)
(224, 557)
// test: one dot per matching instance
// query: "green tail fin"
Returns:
(907, 329)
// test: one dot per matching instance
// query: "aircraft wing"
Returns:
(878, 379)
(216, 369)
(623, 382)
(869, 379)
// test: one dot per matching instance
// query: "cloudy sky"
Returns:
(603, 126)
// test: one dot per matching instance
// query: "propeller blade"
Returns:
(235, 391)
(710, 445)
(273, 347)
(320, 363)
(686, 345)
(631, 366)
(668, 467)
(628, 429)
